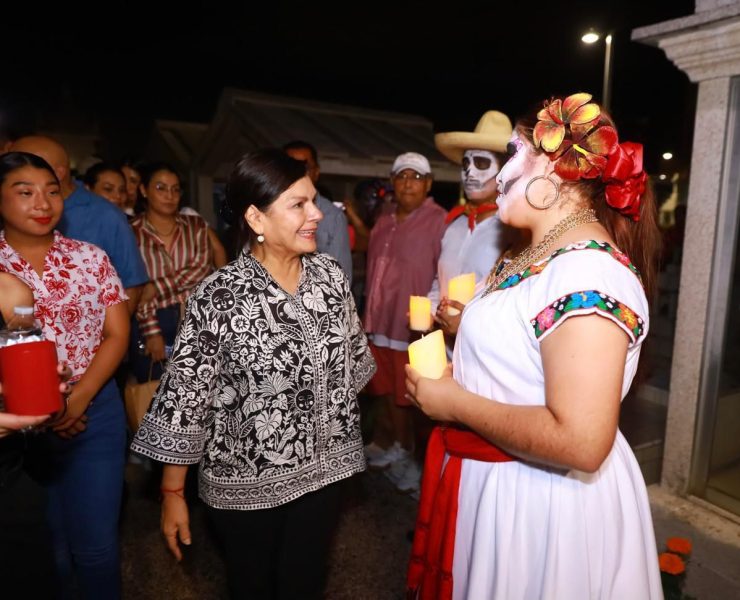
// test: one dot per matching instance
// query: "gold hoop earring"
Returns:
(555, 184)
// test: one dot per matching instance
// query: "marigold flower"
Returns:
(679, 545)
(671, 563)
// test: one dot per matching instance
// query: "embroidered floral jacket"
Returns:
(261, 389)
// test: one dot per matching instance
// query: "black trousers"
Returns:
(26, 560)
(279, 553)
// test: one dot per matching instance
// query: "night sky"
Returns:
(118, 68)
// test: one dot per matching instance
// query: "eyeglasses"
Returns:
(482, 163)
(163, 188)
(414, 176)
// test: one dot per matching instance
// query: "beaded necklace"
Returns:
(533, 254)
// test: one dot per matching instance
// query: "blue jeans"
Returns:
(85, 491)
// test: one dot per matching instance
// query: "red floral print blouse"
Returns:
(78, 284)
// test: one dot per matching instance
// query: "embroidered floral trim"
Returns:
(537, 268)
(588, 302)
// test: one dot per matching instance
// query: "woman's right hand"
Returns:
(175, 522)
(10, 423)
(447, 322)
(148, 293)
(155, 347)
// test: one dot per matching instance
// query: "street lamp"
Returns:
(591, 37)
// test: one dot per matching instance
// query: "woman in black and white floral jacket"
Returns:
(261, 391)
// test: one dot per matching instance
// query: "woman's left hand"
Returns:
(155, 347)
(435, 397)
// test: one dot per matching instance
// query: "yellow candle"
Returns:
(462, 289)
(428, 355)
(420, 313)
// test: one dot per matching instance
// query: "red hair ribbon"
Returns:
(625, 179)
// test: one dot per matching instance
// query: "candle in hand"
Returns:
(420, 313)
(462, 289)
(428, 355)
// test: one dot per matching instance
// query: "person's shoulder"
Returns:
(458, 224)
(592, 265)
(384, 220)
(324, 203)
(329, 209)
(591, 256)
(101, 207)
(326, 264)
(194, 220)
(434, 208)
(220, 278)
(321, 259)
(71, 246)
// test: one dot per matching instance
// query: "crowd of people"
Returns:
(528, 490)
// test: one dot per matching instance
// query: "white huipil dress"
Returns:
(526, 531)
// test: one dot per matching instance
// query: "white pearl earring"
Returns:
(260, 238)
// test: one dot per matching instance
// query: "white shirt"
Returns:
(465, 251)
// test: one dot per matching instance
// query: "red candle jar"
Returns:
(28, 372)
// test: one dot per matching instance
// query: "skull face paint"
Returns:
(478, 168)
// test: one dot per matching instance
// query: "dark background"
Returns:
(116, 67)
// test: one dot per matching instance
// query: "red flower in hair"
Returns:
(568, 132)
(585, 157)
(625, 179)
(584, 153)
(575, 111)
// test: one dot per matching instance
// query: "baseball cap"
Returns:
(411, 160)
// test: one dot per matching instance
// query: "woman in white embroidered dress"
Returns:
(261, 391)
(541, 493)
(81, 305)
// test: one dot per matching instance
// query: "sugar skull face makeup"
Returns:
(478, 168)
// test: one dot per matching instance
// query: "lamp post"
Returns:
(591, 37)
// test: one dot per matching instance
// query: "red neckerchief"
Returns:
(471, 211)
(429, 576)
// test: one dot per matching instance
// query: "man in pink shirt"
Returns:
(402, 255)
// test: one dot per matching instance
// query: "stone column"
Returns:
(706, 46)
(693, 297)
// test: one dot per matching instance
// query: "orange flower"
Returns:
(575, 111)
(679, 545)
(586, 155)
(567, 130)
(630, 319)
(671, 563)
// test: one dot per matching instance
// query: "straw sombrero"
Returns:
(492, 132)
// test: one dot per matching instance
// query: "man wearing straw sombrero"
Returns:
(475, 237)
(473, 240)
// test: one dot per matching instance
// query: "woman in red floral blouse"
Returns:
(81, 305)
